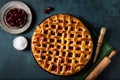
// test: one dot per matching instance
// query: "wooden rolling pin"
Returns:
(101, 66)
(100, 40)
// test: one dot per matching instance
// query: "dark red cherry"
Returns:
(50, 9)
(46, 11)
(16, 17)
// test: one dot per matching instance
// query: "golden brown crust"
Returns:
(62, 45)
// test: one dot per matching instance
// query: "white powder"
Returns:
(20, 43)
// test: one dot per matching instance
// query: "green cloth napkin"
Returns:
(105, 51)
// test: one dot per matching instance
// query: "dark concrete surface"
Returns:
(21, 64)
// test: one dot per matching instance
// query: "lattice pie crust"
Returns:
(62, 45)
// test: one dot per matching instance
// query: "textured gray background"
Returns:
(21, 64)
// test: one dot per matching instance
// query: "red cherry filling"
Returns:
(51, 40)
(50, 52)
(65, 41)
(16, 17)
(62, 61)
(78, 48)
(38, 45)
(61, 21)
(68, 68)
(52, 33)
(87, 42)
(65, 35)
(58, 46)
(39, 38)
(79, 35)
(63, 54)
(44, 45)
(71, 35)
(69, 61)
(59, 34)
(64, 47)
(45, 39)
(61, 68)
(57, 53)
(71, 42)
(77, 55)
(46, 32)
(55, 59)
(69, 54)
(59, 41)
(47, 65)
(38, 51)
(54, 68)
(51, 46)
(73, 22)
(49, 58)
(53, 26)
(79, 42)
(66, 28)
(60, 27)
(76, 61)
(43, 57)
(79, 29)
(43, 51)
(72, 28)
(86, 49)
(46, 25)
(70, 47)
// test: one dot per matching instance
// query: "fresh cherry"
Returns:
(16, 17)
(50, 9)
(46, 11)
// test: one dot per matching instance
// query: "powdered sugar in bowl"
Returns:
(20, 43)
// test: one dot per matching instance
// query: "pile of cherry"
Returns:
(16, 17)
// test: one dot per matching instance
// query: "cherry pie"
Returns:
(62, 45)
